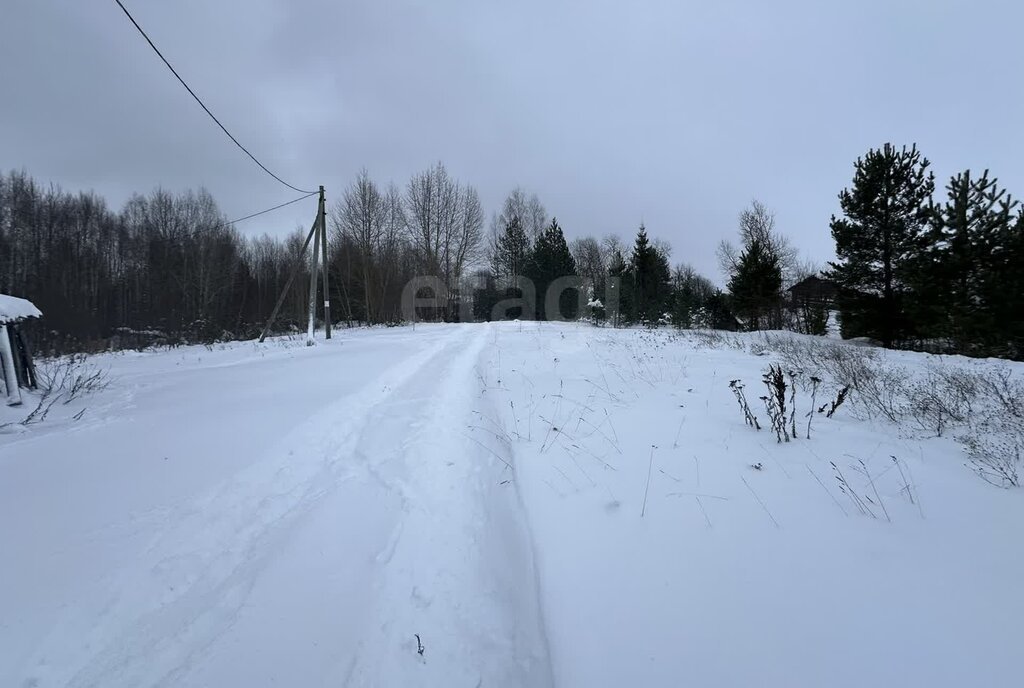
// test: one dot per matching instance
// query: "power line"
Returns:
(202, 104)
(263, 212)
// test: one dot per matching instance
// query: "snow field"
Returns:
(540, 503)
(733, 575)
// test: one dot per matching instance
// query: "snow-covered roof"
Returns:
(13, 309)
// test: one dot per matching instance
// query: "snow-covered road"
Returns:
(508, 504)
(291, 517)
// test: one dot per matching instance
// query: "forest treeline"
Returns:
(169, 268)
(912, 270)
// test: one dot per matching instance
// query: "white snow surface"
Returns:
(13, 309)
(542, 504)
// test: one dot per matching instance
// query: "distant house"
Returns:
(16, 368)
(810, 301)
(814, 291)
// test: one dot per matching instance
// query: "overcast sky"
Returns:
(677, 113)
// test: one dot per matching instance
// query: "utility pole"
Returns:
(322, 213)
(311, 326)
(318, 235)
(288, 285)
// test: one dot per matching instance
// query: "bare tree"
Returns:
(805, 268)
(663, 247)
(392, 247)
(492, 246)
(359, 219)
(591, 262)
(757, 224)
(445, 223)
(424, 198)
(613, 244)
(686, 278)
(527, 209)
(469, 236)
(536, 218)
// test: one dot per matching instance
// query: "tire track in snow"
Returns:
(196, 575)
(458, 570)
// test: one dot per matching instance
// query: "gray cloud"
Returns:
(677, 113)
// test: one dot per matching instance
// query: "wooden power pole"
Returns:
(311, 325)
(318, 235)
(323, 243)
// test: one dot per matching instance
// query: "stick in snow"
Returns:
(495, 454)
(696, 494)
(650, 465)
(662, 471)
(682, 420)
(811, 471)
(760, 502)
(703, 510)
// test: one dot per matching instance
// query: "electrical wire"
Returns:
(263, 212)
(231, 223)
(202, 104)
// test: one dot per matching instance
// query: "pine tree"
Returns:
(639, 267)
(511, 256)
(756, 285)
(957, 285)
(512, 249)
(549, 260)
(885, 214)
(1006, 290)
(650, 276)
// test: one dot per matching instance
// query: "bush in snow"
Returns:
(994, 440)
(70, 377)
(984, 403)
(944, 397)
(63, 379)
(995, 452)
(881, 388)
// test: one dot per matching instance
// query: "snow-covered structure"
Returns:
(16, 369)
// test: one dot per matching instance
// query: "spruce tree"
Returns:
(549, 260)
(512, 253)
(512, 249)
(1006, 287)
(958, 288)
(639, 267)
(885, 214)
(650, 276)
(756, 285)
